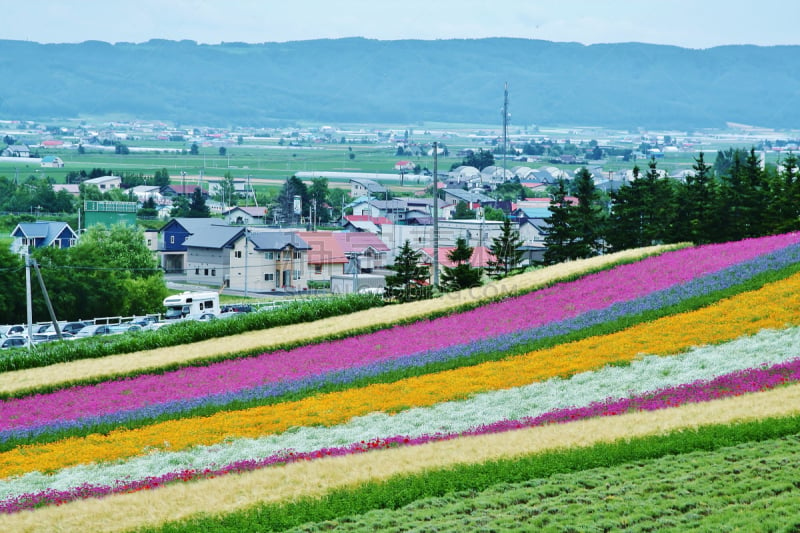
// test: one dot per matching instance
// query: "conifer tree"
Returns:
(410, 280)
(462, 275)
(560, 235)
(506, 252)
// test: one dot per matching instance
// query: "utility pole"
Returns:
(435, 214)
(28, 296)
(505, 128)
(246, 237)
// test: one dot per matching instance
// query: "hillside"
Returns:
(648, 382)
(626, 85)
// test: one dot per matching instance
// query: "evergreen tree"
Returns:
(506, 251)
(785, 202)
(197, 206)
(462, 275)
(463, 212)
(292, 187)
(560, 233)
(695, 219)
(161, 178)
(587, 217)
(410, 279)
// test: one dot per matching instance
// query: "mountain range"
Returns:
(625, 85)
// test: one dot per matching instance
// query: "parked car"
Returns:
(93, 330)
(13, 342)
(74, 327)
(40, 338)
(118, 329)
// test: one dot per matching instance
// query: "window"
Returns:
(269, 277)
(213, 271)
(205, 272)
(269, 255)
(196, 271)
(297, 274)
(237, 254)
(172, 239)
(317, 269)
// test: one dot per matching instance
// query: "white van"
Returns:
(191, 304)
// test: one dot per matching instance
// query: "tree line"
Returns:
(736, 198)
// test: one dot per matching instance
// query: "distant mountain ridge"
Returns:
(625, 85)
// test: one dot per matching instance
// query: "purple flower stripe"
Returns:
(517, 340)
(733, 384)
(552, 304)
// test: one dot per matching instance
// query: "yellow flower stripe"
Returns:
(775, 306)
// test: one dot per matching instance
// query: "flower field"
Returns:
(702, 337)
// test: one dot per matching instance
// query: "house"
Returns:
(52, 161)
(472, 199)
(105, 183)
(365, 223)
(326, 258)
(247, 216)
(29, 235)
(183, 190)
(269, 261)
(146, 192)
(16, 150)
(365, 187)
(208, 255)
(172, 237)
(70, 188)
(405, 166)
(368, 247)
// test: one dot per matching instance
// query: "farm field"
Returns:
(658, 391)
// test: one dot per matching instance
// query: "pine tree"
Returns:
(587, 217)
(410, 281)
(559, 235)
(463, 275)
(506, 251)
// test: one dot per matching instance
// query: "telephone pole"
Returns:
(505, 128)
(435, 214)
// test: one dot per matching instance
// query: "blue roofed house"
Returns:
(32, 235)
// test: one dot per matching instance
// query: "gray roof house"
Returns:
(208, 255)
(269, 261)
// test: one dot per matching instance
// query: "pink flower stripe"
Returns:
(559, 302)
(733, 384)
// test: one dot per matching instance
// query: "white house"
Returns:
(105, 183)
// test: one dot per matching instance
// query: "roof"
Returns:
(278, 240)
(371, 186)
(325, 248)
(41, 230)
(253, 211)
(195, 225)
(466, 196)
(102, 179)
(214, 237)
(480, 256)
(359, 241)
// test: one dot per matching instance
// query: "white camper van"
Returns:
(191, 304)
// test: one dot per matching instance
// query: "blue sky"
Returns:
(686, 23)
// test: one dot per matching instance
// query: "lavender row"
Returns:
(733, 384)
(504, 343)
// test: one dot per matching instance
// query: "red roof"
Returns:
(480, 256)
(325, 249)
(367, 218)
(358, 241)
(52, 143)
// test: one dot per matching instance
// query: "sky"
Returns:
(684, 23)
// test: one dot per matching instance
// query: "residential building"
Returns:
(105, 183)
(51, 161)
(326, 258)
(371, 251)
(209, 255)
(246, 216)
(480, 257)
(269, 261)
(30, 235)
(366, 187)
(16, 150)
(172, 237)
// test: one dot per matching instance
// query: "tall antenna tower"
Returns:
(506, 116)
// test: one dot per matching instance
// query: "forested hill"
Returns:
(406, 81)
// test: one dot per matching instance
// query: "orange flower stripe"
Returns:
(774, 306)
